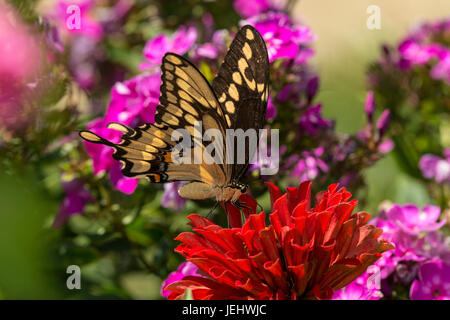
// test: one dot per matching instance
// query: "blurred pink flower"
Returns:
(362, 288)
(312, 121)
(434, 167)
(310, 165)
(284, 39)
(184, 269)
(252, 8)
(19, 65)
(271, 109)
(412, 220)
(171, 198)
(180, 42)
(421, 48)
(433, 282)
(62, 13)
(77, 196)
(386, 146)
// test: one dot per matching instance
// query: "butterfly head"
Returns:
(240, 186)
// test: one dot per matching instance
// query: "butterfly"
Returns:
(236, 99)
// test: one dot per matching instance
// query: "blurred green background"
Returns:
(344, 48)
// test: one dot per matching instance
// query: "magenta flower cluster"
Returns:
(420, 260)
(419, 243)
(419, 48)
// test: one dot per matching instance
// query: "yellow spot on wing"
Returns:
(247, 51)
(249, 34)
(187, 107)
(174, 59)
(227, 117)
(139, 166)
(243, 65)
(260, 87)
(229, 105)
(171, 98)
(223, 97)
(237, 78)
(168, 66)
(185, 96)
(183, 75)
(189, 118)
(118, 127)
(174, 110)
(170, 119)
(89, 136)
(232, 91)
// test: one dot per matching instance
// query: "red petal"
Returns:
(234, 214)
(249, 202)
(292, 198)
(304, 193)
(274, 192)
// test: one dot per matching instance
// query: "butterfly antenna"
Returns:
(212, 209)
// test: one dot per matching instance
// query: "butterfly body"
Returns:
(201, 191)
(236, 99)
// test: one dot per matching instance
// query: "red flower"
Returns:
(306, 253)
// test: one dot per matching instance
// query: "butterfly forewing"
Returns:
(242, 87)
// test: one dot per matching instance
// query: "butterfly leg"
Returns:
(239, 205)
(212, 209)
(228, 215)
(255, 201)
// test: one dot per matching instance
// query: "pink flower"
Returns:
(283, 38)
(361, 288)
(19, 51)
(19, 64)
(254, 7)
(77, 196)
(62, 14)
(433, 282)
(181, 41)
(310, 166)
(434, 167)
(184, 269)
(414, 52)
(421, 48)
(442, 69)
(171, 198)
(312, 121)
(271, 109)
(412, 220)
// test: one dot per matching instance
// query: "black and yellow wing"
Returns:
(237, 99)
(242, 87)
(146, 151)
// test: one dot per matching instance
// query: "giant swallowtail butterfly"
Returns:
(236, 99)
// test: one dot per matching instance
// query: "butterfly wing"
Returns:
(241, 87)
(146, 151)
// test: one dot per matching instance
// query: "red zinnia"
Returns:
(305, 252)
